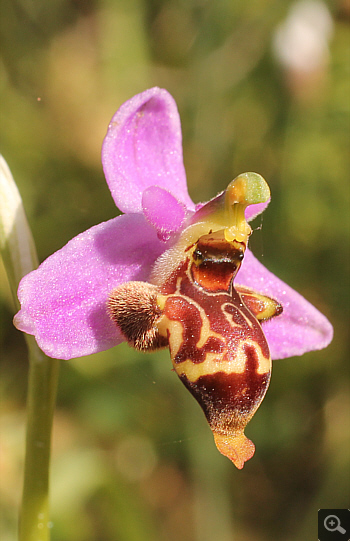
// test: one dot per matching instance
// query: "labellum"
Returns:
(211, 325)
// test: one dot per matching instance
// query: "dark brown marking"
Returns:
(230, 400)
(213, 276)
(170, 286)
(190, 318)
(257, 303)
(216, 261)
(179, 309)
(215, 247)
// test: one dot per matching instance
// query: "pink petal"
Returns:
(300, 328)
(253, 211)
(64, 300)
(142, 148)
(163, 211)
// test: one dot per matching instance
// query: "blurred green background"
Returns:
(133, 458)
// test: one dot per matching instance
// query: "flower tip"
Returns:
(23, 323)
(327, 332)
(248, 189)
(237, 447)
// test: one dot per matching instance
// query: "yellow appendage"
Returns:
(238, 448)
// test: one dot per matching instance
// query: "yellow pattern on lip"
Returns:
(214, 362)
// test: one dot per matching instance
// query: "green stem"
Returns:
(19, 255)
(42, 387)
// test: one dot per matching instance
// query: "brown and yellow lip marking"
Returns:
(216, 260)
(217, 345)
(263, 307)
(229, 373)
(215, 362)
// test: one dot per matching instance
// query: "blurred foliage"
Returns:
(133, 458)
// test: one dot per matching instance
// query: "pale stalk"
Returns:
(19, 256)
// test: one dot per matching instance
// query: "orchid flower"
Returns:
(171, 273)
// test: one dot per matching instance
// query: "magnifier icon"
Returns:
(332, 524)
